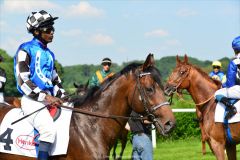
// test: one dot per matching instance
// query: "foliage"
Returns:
(7, 65)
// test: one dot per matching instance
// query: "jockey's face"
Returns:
(216, 69)
(47, 33)
(106, 66)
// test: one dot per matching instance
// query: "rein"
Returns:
(197, 104)
(96, 114)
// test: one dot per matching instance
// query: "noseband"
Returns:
(145, 99)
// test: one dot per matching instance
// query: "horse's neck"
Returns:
(201, 88)
(110, 102)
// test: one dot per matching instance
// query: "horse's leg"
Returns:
(203, 147)
(218, 149)
(209, 144)
(124, 138)
(231, 151)
(114, 150)
(203, 138)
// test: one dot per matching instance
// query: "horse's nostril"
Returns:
(168, 126)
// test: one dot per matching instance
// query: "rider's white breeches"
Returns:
(42, 120)
(1, 97)
(232, 92)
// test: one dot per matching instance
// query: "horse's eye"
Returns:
(182, 72)
(150, 90)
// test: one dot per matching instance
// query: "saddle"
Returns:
(220, 112)
(22, 139)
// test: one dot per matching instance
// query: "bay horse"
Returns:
(13, 101)
(202, 88)
(136, 87)
(81, 90)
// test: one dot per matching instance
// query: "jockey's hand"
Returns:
(53, 100)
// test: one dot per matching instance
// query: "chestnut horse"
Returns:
(81, 90)
(136, 87)
(202, 88)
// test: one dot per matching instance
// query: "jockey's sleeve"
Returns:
(93, 81)
(58, 90)
(23, 77)
(231, 74)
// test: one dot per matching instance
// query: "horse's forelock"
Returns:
(156, 75)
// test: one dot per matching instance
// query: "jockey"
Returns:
(2, 82)
(231, 88)
(217, 74)
(101, 76)
(37, 78)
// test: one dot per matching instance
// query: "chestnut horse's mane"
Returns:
(205, 75)
(95, 91)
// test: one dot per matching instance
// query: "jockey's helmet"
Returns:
(106, 61)
(39, 19)
(217, 64)
(236, 44)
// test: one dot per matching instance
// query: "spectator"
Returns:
(141, 138)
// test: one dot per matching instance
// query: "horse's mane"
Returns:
(205, 75)
(95, 91)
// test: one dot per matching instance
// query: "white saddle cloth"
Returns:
(219, 113)
(21, 138)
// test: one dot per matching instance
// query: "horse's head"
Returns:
(146, 96)
(81, 89)
(179, 78)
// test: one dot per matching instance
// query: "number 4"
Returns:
(8, 140)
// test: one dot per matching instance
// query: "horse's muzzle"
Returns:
(164, 129)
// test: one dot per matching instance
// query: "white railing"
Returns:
(154, 141)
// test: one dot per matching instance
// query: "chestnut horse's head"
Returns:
(179, 78)
(146, 96)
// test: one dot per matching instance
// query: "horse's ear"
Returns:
(178, 61)
(185, 59)
(149, 61)
(75, 85)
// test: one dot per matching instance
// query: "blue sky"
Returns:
(126, 30)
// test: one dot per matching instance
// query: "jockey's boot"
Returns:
(44, 147)
(231, 110)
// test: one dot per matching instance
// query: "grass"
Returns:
(189, 149)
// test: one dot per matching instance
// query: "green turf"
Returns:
(188, 149)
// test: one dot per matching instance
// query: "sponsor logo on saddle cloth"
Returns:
(220, 113)
(22, 139)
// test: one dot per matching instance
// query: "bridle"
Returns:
(180, 80)
(175, 88)
(145, 100)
